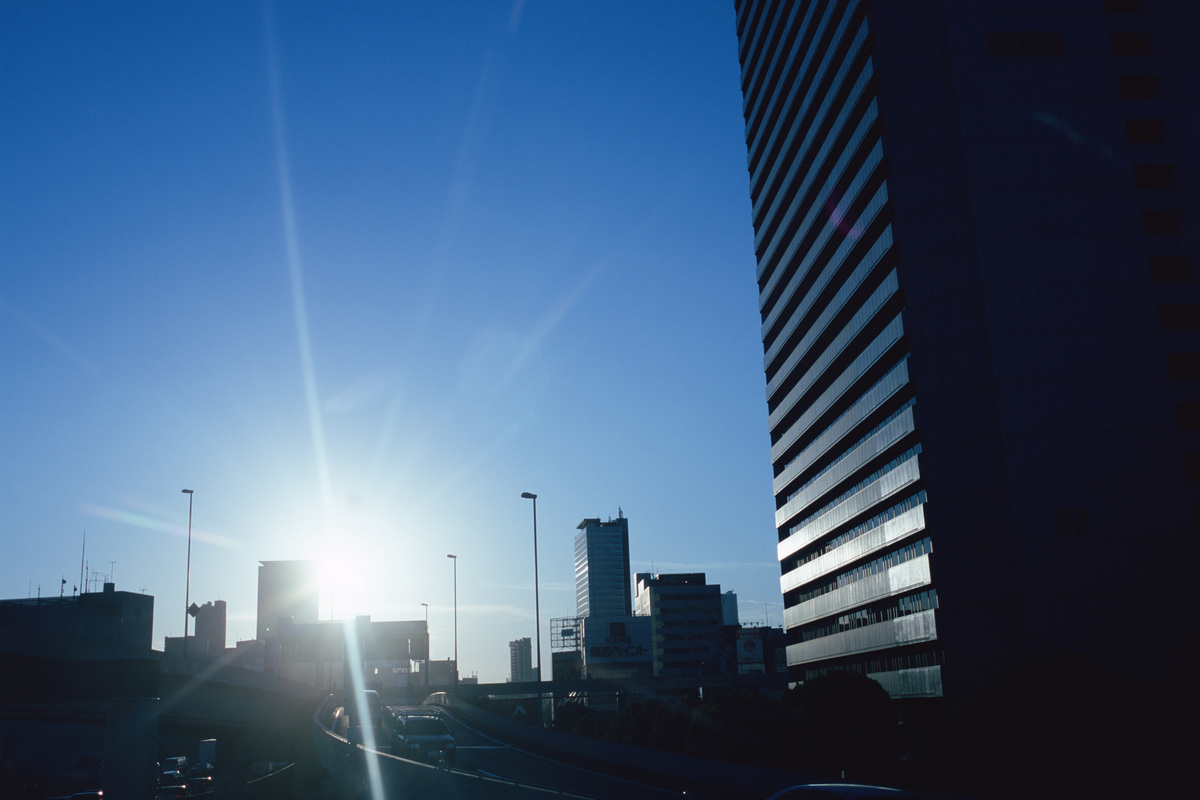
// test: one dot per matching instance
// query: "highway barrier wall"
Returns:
(355, 767)
(690, 773)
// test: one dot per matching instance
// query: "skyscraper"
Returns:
(602, 585)
(520, 661)
(975, 233)
(285, 589)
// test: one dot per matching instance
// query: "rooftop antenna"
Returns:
(62, 588)
(112, 572)
(82, 561)
(620, 513)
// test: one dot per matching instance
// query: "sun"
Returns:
(345, 576)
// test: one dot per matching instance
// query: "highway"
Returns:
(487, 768)
(483, 755)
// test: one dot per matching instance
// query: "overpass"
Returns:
(57, 713)
(641, 687)
(133, 711)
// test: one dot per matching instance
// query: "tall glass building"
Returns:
(975, 227)
(602, 580)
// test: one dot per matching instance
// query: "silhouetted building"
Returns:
(92, 625)
(602, 586)
(975, 227)
(210, 625)
(729, 609)
(618, 647)
(685, 620)
(566, 665)
(314, 653)
(520, 661)
(286, 590)
(758, 650)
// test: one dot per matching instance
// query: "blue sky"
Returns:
(359, 275)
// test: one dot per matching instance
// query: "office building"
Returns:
(617, 647)
(286, 590)
(91, 625)
(729, 609)
(386, 653)
(975, 228)
(210, 627)
(208, 637)
(685, 622)
(520, 661)
(602, 586)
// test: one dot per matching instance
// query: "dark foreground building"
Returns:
(975, 226)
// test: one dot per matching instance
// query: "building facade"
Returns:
(520, 661)
(210, 627)
(602, 585)
(286, 590)
(617, 647)
(685, 622)
(91, 625)
(975, 227)
(387, 654)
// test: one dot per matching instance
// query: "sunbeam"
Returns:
(299, 304)
(160, 525)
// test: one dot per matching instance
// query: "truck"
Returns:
(206, 758)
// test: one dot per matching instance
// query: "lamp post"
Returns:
(454, 558)
(537, 613)
(425, 668)
(187, 586)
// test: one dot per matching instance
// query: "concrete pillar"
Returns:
(130, 748)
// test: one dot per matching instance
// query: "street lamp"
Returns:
(425, 669)
(455, 559)
(537, 613)
(187, 586)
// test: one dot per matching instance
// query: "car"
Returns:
(837, 791)
(179, 790)
(200, 784)
(368, 709)
(423, 737)
(172, 777)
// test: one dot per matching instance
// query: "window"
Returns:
(1130, 44)
(1170, 268)
(1072, 523)
(1183, 366)
(1141, 131)
(1026, 42)
(1160, 221)
(1153, 176)
(1191, 465)
(1177, 316)
(1137, 86)
(1187, 416)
